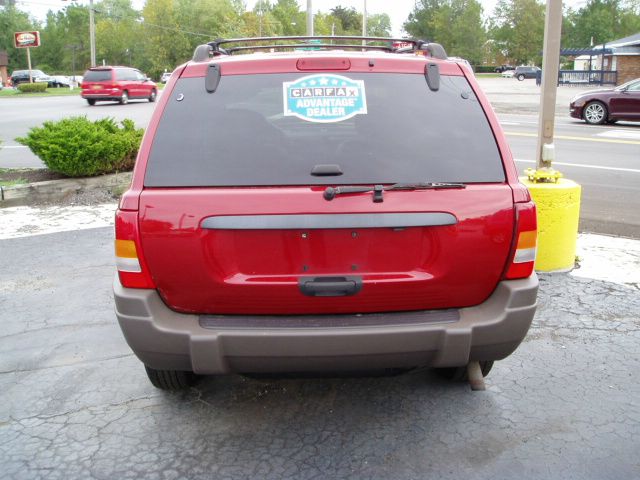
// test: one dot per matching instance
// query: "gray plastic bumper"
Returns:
(164, 339)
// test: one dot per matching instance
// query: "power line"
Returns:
(146, 23)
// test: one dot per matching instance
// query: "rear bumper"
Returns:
(111, 95)
(164, 339)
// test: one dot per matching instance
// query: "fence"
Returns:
(587, 77)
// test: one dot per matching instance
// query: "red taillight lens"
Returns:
(132, 269)
(523, 252)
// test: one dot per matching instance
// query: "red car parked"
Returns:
(323, 209)
(119, 84)
(608, 105)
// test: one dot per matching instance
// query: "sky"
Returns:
(398, 10)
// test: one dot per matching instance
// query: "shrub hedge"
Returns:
(485, 68)
(78, 147)
(33, 87)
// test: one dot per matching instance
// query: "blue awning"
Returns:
(576, 52)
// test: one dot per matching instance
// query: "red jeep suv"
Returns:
(341, 207)
(118, 84)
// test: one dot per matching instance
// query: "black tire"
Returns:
(124, 99)
(595, 113)
(171, 380)
(521, 77)
(459, 374)
(91, 101)
(152, 97)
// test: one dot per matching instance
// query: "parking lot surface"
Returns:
(76, 404)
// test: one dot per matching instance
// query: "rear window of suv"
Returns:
(240, 136)
(97, 76)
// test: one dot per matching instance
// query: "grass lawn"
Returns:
(51, 92)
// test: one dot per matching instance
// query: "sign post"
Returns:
(27, 40)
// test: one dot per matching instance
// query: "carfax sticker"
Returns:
(324, 98)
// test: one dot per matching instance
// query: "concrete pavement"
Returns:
(77, 405)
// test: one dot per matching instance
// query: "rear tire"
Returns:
(595, 113)
(170, 380)
(152, 97)
(91, 101)
(459, 374)
(521, 77)
(124, 99)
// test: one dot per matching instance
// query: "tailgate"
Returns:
(286, 250)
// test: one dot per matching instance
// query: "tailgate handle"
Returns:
(330, 286)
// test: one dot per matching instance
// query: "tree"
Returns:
(118, 33)
(379, 25)
(518, 30)
(166, 45)
(456, 24)
(602, 21)
(50, 55)
(291, 19)
(13, 20)
(348, 21)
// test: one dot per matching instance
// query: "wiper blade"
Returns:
(424, 186)
(331, 192)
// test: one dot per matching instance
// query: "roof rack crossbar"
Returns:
(308, 46)
(394, 45)
(216, 43)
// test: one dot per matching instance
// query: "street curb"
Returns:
(53, 191)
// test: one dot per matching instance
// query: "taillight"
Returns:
(132, 269)
(523, 252)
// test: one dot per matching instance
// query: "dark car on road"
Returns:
(119, 84)
(608, 105)
(523, 72)
(325, 209)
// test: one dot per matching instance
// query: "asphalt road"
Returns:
(605, 160)
(76, 403)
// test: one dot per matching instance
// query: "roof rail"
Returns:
(321, 42)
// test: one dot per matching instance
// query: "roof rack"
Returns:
(214, 48)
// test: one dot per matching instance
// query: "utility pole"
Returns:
(364, 22)
(551, 58)
(364, 19)
(309, 18)
(92, 34)
(557, 199)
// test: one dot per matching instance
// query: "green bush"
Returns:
(485, 68)
(33, 87)
(78, 147)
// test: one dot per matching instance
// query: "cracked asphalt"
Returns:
(76, 404)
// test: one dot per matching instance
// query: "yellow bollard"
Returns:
(558, 207)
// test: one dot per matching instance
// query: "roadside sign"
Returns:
(26, 39)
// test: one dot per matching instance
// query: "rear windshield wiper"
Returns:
(331, 192)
